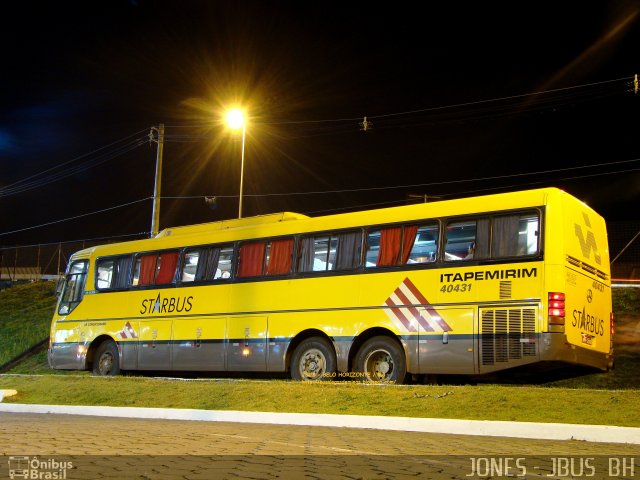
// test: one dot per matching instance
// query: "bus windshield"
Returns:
(73, 287)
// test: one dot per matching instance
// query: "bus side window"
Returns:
(225, 264)
(207, 263)
(467, 240)
(74, 287)
(515, 235)
(104, 273)
(348, 250)
(330, 252)
(190, 265)
(278, 256)
(306, 261)
(155, 269)
(269, 257)
(113, 273)
(425, 245)
(251, 259)
(402, 245)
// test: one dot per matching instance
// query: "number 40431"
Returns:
(458, 287)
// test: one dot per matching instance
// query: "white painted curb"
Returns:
(7, 393)
(544, 431)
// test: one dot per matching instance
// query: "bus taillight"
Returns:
(556, 308)
(612, 325)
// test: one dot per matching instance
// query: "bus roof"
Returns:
(269, 225)
(231, 224)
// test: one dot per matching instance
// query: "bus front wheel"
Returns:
(381, 359)
(313, 360)
(106, 361)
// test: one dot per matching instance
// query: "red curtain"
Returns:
(389, 253)
(147, 269)
(408, 240)
(280, 257)
(168, 264)
(251, 258)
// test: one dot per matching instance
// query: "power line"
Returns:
(94, 239)
(511, 97)
(25, 185)
(75, 217)
(479, 190)
(461, 112)
(22, 185)
(348, 191)
(431, 184)
(569, 94)
(434, 109)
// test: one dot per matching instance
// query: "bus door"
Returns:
(247, 343)
(154, 347)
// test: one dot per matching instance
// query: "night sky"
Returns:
(448, 92)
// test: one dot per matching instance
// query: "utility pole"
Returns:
(15, 264)
(59, 254)
(155, 216)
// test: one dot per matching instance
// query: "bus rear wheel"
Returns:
(381, 359)
(313, 360)
(106, 361)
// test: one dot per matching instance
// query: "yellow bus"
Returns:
(464, 286)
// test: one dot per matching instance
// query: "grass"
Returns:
(25, 317)
(483, 402)
(626, 300)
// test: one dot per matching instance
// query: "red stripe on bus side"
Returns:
(399, 315)
(435, 316)
(414, 311)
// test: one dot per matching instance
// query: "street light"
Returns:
(236, 120)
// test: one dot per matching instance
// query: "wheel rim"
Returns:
(312, 365)
(379, 366)
(105, 364)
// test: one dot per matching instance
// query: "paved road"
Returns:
(162, 449)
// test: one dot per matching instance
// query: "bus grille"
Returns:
(507, 335)
(505, 289)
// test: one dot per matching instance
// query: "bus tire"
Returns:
(381, 359)
(314, 360)
(106, 361)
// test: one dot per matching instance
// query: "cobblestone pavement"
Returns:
(99, 447)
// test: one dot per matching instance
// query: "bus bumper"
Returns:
(555, 348)
(67, 356)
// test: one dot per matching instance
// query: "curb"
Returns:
(7, 393)
(540, 431)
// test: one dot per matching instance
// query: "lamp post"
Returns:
(236, 120)
(155, 215)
